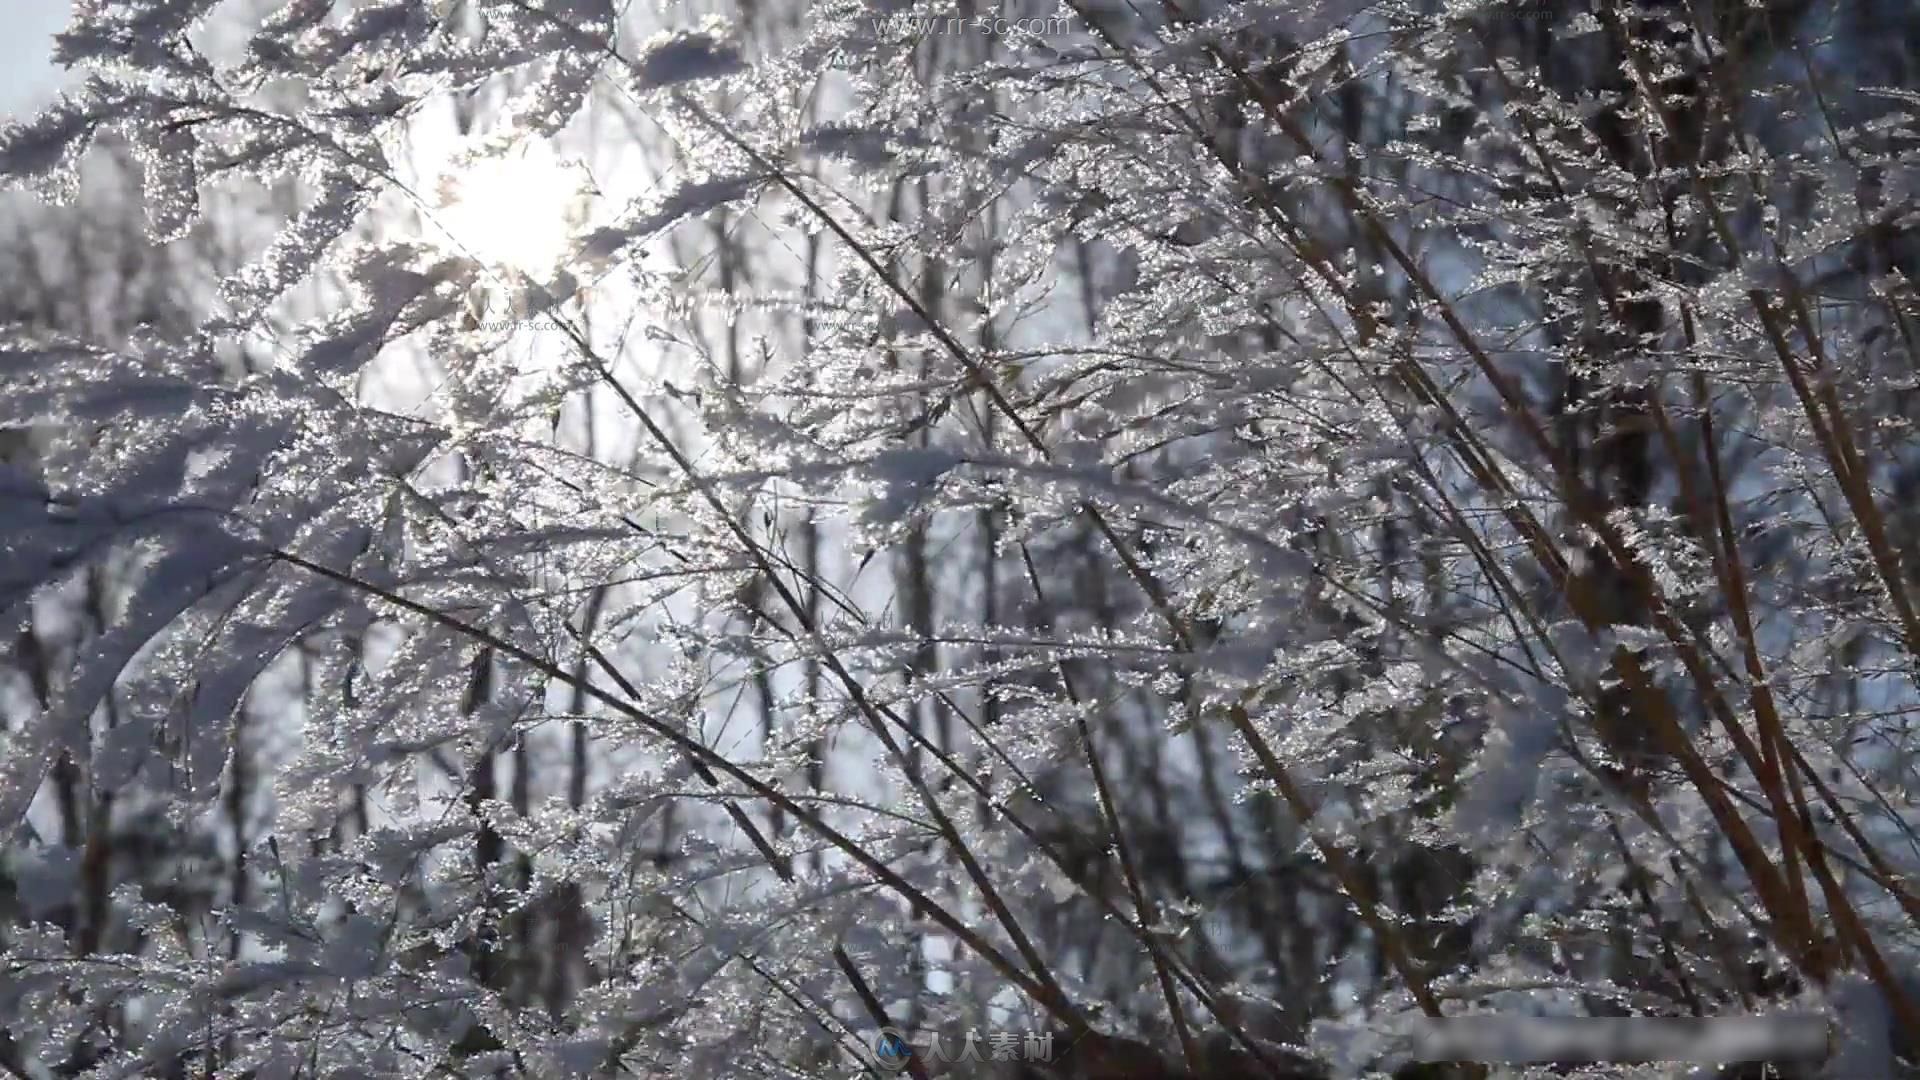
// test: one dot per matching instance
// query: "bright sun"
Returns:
(511, 209)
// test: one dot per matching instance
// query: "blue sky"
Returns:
(27, 78)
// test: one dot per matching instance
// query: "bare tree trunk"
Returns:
(482, 948)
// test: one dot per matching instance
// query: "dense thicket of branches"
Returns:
(1200, 529)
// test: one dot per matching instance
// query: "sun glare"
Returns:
(511, 210)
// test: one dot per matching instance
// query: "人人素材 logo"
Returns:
(891, 1050)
